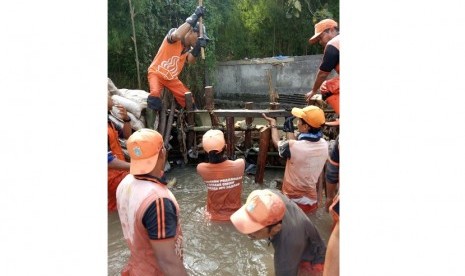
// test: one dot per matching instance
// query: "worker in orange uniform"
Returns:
(306, 155)
(298, 247)
(118, 168)
(180, 45)
(148, 211)
(222, 177)
(327, 35)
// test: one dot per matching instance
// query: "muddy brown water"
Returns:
(211, 248)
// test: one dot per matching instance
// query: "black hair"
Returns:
(311, 129)
(335, 28)
(216, 157)
(273, 225)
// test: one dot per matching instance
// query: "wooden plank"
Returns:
(265, 134)
(256, 113)
(210, 105)
(274, 106)
(223, 128)
(245, 113)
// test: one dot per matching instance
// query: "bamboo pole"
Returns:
(162, 124)
(273, 106)
(210, 105)
(169, 124)
(248, 123)
(202, 50)
(190, 119)
(182, 137)
(230, 137)
(265, 134)
(131, 11)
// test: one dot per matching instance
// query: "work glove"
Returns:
(199, 12)
(154, 103)
(288, 124)
(201, 42)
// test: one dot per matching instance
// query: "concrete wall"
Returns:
(252, 80)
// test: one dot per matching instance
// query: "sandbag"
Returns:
(111, 87)
(115, 120)
(135, 123)
(138, 96)
(131, 106)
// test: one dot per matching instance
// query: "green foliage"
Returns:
(237, 29)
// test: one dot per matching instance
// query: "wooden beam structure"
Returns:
(255, 113)
(248, 123)
(210, 105)
(190, 119)
(265, 135)
(230, 137)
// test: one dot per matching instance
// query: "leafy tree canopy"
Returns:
(238, 29)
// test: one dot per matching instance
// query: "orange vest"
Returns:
(114, 176)
(304, 168)
(133, 198)
(114, 143)
(169, 61)
(335, 42)
(224, 184)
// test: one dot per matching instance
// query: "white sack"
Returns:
(112, 87)
(131, 106)
(138, 96)
(135, 123)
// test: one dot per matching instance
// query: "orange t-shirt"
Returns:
(114, 176)
(224, 184)
(169, 61)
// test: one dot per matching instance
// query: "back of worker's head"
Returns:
(214, 145)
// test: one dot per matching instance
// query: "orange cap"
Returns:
(321, 27)
(213, 140)
(143, 147)
(263, 208)
(311, 114)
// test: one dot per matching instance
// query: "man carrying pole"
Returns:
(180, 45)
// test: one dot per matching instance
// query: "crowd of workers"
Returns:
(149, 212)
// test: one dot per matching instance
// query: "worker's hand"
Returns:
(309, 95)
(312, 96)
(202, 42)
(289, 124)
(122, 112)
(271, 121)
(199, 12)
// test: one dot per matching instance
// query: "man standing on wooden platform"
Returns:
(180, 45)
